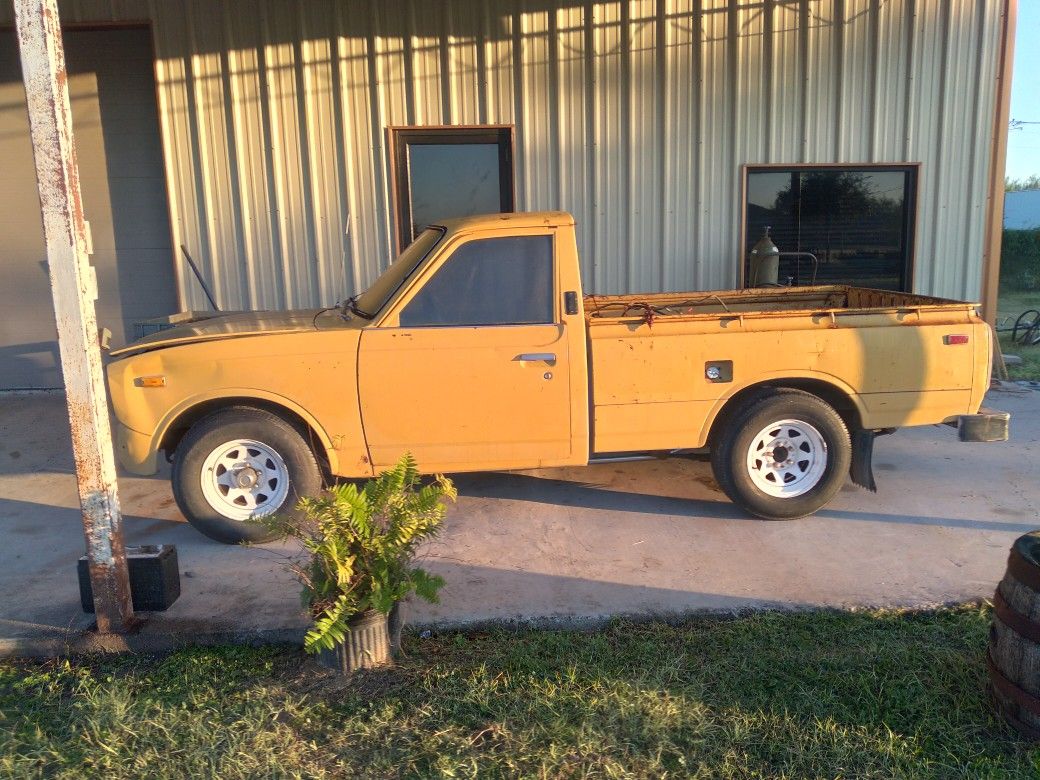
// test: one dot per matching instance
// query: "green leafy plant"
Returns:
(362, 544)
(1020, 261)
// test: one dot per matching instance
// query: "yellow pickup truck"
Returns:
(476, 351)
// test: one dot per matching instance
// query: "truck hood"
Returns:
(226, 326)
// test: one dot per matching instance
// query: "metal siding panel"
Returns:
(982, 113)
(856, 115)
(646, 85)
(537, 135)
(786, 119)
(968, 159)
(188, 226)
(923, 141)
(822, 81)
(891, 80)
(288, 155)
(368, 224)
(324, 144)
(464, 72)
(129, 9)
(680, 256)
(749, 59)
(573, 127)
(249, 128)
(611, 151)
(498, 54)
(634, 115)
(89, 11)
(717, 171)
(393, 65)
(219, 255)
(958, 149)
(426, 23)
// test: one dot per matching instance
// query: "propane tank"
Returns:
(765, 262)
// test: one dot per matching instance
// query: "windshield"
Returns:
(375, 297)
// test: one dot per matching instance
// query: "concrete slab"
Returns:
(554, 546)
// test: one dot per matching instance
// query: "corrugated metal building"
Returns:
(638, 117)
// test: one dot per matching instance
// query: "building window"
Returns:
(445, 172)
(857, 220)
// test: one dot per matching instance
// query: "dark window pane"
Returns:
(856, 221)
(493, 281)
(767, 205)
(452, 180)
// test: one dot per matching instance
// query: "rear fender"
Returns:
(797, 380)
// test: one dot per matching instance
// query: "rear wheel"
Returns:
(783, 455)
(239, 465)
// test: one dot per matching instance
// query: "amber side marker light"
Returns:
(959, 338)
(150, 381)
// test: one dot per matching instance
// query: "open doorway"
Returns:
(115, 122)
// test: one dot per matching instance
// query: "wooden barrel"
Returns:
(1014, 639)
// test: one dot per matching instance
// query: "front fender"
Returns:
(242, 395)
(312, 376)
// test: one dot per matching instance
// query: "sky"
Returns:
(1024, 143)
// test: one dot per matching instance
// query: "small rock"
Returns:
(1012, 360)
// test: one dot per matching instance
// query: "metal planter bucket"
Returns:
(367, 645)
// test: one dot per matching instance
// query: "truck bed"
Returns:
(830, 298)
(883, 350)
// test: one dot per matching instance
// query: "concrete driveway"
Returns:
(556, 546)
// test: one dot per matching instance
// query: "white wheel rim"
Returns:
(787, 458)
(244, 479)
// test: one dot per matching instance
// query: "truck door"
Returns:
(472, 370)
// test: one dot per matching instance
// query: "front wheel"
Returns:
(784, 456)
(239, 465)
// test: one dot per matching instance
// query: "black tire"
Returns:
(207, 435)
(1032, 336)
(730, 452)
(1026, 326)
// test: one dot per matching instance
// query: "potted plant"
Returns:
(362, 543)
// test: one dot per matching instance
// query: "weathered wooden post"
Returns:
(74, 290)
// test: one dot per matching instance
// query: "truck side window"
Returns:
(490, 281)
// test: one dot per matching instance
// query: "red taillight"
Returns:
(958, 338)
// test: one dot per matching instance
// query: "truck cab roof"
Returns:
(525, 219)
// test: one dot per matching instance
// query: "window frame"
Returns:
(453, 254)
(442, 254)
(400, 137)
(910, 213)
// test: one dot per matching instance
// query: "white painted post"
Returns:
(74, 290)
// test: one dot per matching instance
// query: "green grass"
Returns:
(1010, 305)
(851, 695)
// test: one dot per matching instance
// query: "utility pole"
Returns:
(74, 290)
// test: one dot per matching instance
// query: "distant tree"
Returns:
(1017, 185)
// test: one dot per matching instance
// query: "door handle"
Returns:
(534, 357)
